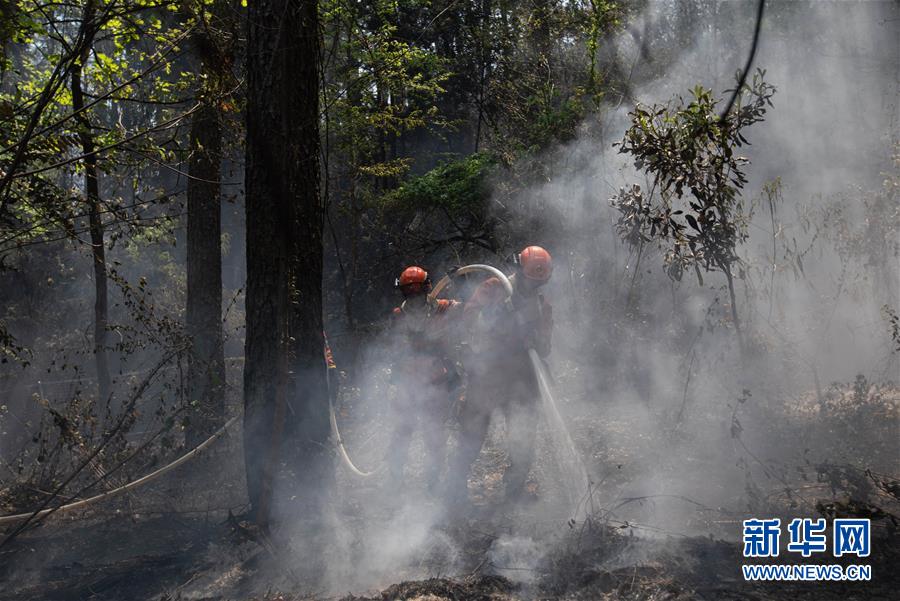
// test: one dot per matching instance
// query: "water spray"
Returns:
(574, 472)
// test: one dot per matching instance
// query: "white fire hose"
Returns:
(432, 297)
(342, 450)
(12, 519)
(444, 281)
(575, 473)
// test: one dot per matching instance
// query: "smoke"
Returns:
(680, 432)
(828, 137)
(677, 430)
(519, 555)
(680, 436)
(378, 529)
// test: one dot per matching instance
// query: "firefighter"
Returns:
(424, 374)
(500, 374)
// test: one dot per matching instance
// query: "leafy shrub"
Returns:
(459, 187)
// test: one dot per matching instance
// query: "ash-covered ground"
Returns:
(675, 536)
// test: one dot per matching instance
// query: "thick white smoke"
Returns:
(677, 430)
(666, 398)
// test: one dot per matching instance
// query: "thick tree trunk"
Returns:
(284, 346)
(206, 363)
(92, 194)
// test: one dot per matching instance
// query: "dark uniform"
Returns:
(423, 372)
(500, 376)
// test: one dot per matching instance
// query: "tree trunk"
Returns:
(734, 313)
(92, 194)
(206, 362)
(284, 362)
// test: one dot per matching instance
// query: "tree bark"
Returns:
(92, 194)
(206, 362)
(284, 362)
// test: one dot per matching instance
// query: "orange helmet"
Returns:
(413, 280)
(535, 263)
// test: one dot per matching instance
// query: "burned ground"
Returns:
(156, 545)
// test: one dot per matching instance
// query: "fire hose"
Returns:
(551, 412)
(576, 473)
(329, 361)
(335, 431)
(445, 281)
(574, 470)
(12, 519)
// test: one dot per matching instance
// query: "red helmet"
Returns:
(413, 280)
(535, 263)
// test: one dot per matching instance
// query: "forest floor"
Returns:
(166, 559)
(663, 524)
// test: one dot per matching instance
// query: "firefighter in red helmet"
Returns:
(424, 374)
(500, 374)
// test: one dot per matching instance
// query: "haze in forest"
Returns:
(252, 202)
(819, 319)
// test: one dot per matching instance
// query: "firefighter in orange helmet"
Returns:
(424, 374)
(500, 374)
